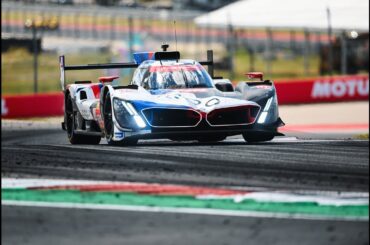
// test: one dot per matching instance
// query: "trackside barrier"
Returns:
(302, 91)
(323, 89)
(41, 105)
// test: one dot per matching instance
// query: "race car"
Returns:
(168, 98)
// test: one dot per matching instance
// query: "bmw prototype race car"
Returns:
(169, 98)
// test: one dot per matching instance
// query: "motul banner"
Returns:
(323, 89)
(40, 105)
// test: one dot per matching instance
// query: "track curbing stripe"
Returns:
(199, 211)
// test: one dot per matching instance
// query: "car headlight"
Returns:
(126, 115)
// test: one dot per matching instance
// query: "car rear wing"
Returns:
(64, 67)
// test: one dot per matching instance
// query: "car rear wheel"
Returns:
(70, 121)
(109, 127)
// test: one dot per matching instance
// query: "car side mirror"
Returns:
(224, 85)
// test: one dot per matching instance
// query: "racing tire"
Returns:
(255, 138)
(70, 122)
(109, 127)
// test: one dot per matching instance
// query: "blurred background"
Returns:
(307, 39)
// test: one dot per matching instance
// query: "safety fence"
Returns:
(139, 27)
(120, 23)
(303, 91)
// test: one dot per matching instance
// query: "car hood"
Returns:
(200, 99)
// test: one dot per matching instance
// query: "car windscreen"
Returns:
(176, 77)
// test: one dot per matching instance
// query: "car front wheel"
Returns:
(109, 127)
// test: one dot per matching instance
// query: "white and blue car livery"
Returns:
(170, 98)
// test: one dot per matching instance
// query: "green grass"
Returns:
(362, 137)
(17, 69)
(281, 67)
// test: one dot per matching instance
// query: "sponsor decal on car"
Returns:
(119, 135)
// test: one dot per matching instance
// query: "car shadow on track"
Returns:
(195, 143)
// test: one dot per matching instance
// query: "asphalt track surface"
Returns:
(285, 163)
